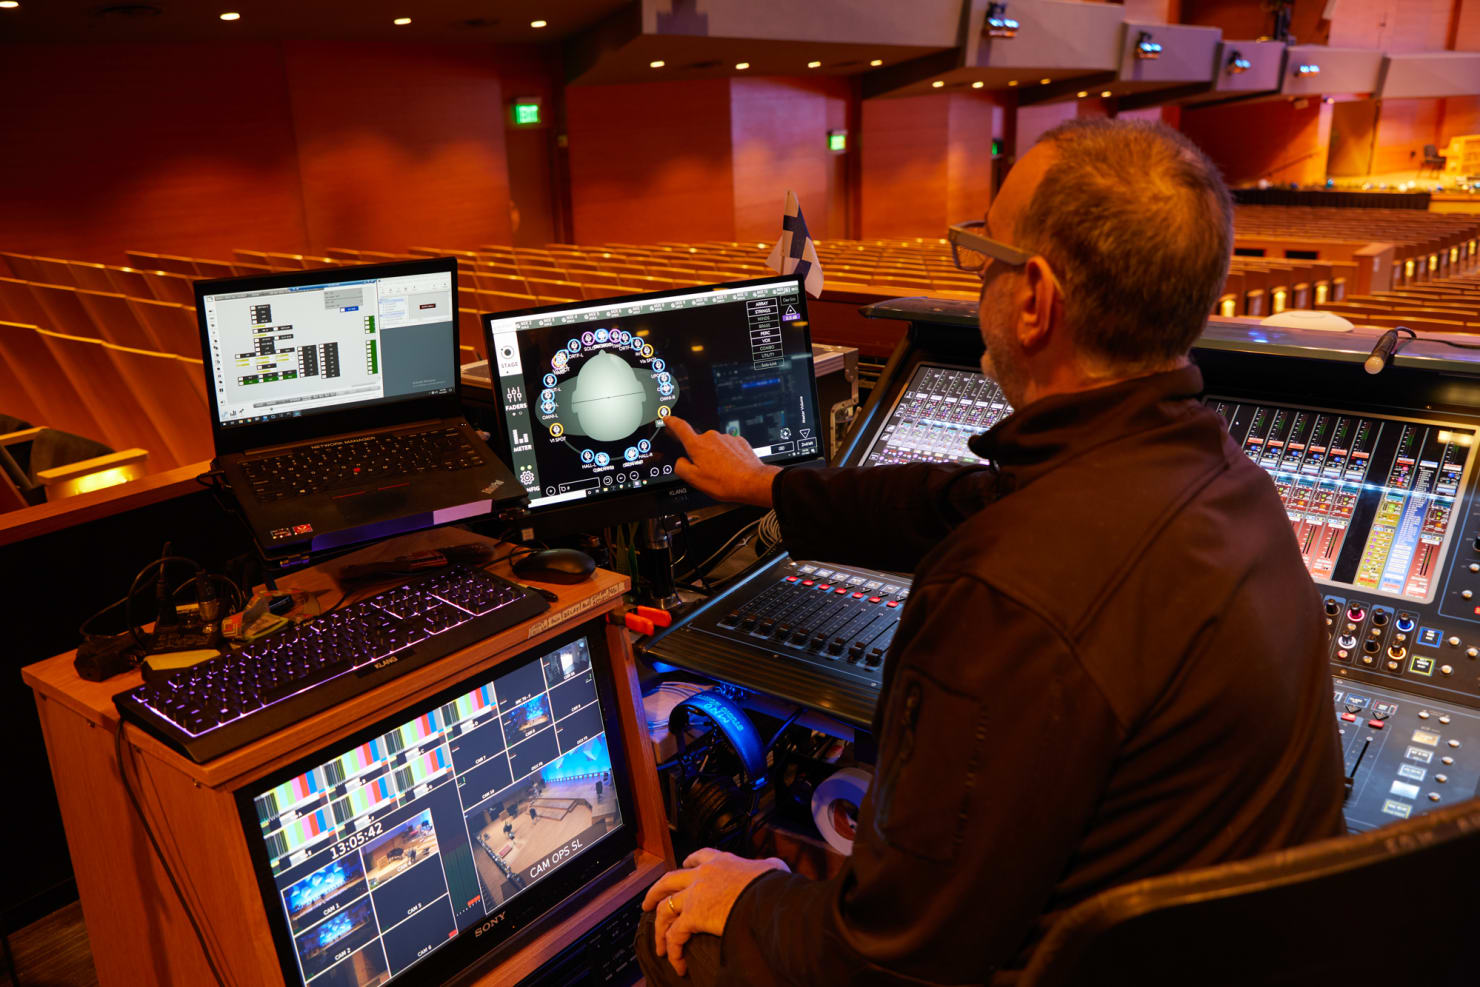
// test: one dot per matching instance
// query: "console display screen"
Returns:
(382, 853)
(584, 388)
(940, 409)
(1372, 499)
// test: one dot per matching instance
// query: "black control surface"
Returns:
(806, 632)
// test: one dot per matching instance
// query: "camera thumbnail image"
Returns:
(330, 886)
(400, 849)
(336, 938)
(568, 662)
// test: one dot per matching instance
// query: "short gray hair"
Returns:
(1137, 224)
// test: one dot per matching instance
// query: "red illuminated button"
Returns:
(1349, 717)
(824, 586)
(892, 603)
(809, 582)
(841, 591)
(792, 579)
(857, 596)
(875, 599)
(1376, 724)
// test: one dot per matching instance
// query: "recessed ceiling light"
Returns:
(1105, 94)
(1044, 82)
(231, 16)
(657, 64)
(742, 66)
(1013, 82)
(538, 24)
(401, 21)
(937, 83)
(1081, 94)
(10, 4)
(877, 62)
(977, 84)
(814, 65)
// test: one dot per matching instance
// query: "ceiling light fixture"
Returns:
(742, 66)
(401, 21)
(9, 4)
(937, 83)
(1105, 94)
(1044, 82)
(657, 64)
(977, 84)
(877, 62)
(814, 65)
(1081, 94)
(231, 16)
(1012, 82)
(538, 24)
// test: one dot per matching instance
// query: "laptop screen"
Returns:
(345, 339)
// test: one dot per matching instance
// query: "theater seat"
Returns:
(1395, 905)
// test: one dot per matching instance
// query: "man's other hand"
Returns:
(722, 466)
(698, 898)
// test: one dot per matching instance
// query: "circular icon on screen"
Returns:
(507, 352)
(547, 407)
(624, 336)
(574, 345)
(621, 477)
(587, 456)
(643, 445)
(558, 360)
(664, 411)
(647, 350)
(653, 471)
(548, 394)
(607, 479)
(665, 389)
(664, 378)
(557, 430)
(588, 338)
(602, 459)
(667, 470)
(551, 380)
(526, 478)
(549, 491)
(630, 453)
(637, 343)
(602, 335)
(634, 476)
(659, 365)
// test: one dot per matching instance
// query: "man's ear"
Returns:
(1037, 304)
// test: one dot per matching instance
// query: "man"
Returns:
(1112, 663)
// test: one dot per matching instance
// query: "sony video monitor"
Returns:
(583, 388)
(409, 851)
(1372, 498)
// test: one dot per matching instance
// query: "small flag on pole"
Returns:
(795, 253)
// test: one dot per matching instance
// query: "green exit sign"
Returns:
(526, 113)
(837, 140)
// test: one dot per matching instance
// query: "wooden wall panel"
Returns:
(1281, 140)
(182, 149)
(399, 145)
(651, 161)
(778, 134)
(905, 176)
(1392, 25)
(973, 122)
(1404, 126)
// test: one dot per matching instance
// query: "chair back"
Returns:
(1400, 900)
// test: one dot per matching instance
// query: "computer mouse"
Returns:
(555, 565)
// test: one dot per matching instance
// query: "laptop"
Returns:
(336, 407)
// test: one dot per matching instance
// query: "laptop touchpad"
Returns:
(373, 505)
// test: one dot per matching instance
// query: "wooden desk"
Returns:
(138, 931)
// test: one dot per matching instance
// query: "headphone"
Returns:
(721, 773)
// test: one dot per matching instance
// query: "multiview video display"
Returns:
(1372, 499)
(384, 852)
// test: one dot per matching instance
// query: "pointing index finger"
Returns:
(682, 430)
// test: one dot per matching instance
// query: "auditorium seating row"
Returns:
(120, 395)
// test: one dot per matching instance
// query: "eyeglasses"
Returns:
(971, 250)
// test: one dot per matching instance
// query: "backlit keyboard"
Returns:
(347, 462)
(230, 701)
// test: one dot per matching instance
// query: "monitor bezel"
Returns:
(240, 438)
(475, 944)
(655, 500)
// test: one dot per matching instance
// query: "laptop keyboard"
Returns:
(350, 462)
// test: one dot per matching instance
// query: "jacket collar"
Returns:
(1041, 436)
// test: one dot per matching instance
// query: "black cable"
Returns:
(783, 728)
(128, 787)
(134, 589)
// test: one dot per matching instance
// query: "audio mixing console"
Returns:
(1383, 512)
